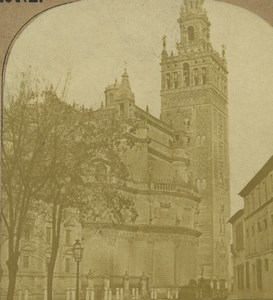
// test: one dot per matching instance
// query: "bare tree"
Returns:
(24, 168)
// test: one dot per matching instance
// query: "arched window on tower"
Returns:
(186, 74)
(171, 80)
(204, 75)
(191, 34)
(168, 81)
(195, 76)
(175, 80)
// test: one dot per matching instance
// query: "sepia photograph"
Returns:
(136, 150)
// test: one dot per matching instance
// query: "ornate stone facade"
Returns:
(163, 242)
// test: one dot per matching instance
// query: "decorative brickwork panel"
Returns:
(201, 164)
(202, 120)
(176, 117)
(200, 158)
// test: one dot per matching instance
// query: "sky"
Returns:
(95, 39)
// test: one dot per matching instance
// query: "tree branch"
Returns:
(5, 220)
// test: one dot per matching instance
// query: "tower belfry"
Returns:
(194, 27)
(194, 101)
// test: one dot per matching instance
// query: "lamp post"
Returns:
(77, 254)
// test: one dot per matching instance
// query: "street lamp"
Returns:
(77, 254)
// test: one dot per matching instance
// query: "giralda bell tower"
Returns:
(194, 102)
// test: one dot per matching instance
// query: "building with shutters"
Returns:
(252, 247)
(238, 252)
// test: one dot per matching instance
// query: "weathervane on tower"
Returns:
(125, 65)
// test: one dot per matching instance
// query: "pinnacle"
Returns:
(125, 74)
(125, 88)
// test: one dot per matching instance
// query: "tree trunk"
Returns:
(57, 213)
(12, 264)
(50, 269)
(50, 274)
(52, 261)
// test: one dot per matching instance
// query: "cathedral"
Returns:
(179, 167)
(179, 178)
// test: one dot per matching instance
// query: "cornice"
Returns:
(146, 228)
